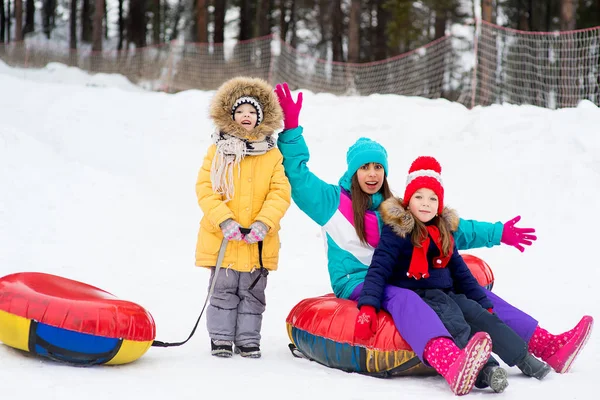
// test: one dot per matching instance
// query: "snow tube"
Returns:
(70, 321)
(321, 329)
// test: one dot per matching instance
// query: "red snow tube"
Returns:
(322, 329)
(70, 321)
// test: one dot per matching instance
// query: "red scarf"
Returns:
(419, 267)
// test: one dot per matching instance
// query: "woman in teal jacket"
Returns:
(347, 213)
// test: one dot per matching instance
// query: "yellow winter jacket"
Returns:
(262, 193)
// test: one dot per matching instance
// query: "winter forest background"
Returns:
(476, 52)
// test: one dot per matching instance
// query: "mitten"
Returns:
(291, 109)
(257, 233)
(516, 237)
(231, 230)
(366, 323)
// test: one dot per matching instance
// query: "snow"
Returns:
(98, 185)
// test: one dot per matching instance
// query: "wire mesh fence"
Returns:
(497, 65)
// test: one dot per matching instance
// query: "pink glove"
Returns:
(366, 323)
(291, 110)
(258, 231)
(231, 230)
(516, 237)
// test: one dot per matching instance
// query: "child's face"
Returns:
(370, 177)
(423, 204)
(246, 116)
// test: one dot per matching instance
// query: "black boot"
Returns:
(250, 351)
(494, 377)
(533, 367)
(221, 348)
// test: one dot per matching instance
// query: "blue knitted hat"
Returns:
(362, 152)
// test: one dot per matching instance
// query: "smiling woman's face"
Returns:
(246, 116)
(370, 177)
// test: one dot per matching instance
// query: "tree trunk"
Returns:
(487, 11)
(219, 16)
(380, 32)
(292, 28)
(18, 20)
(178, 12)
(441, 18)
(73, 26)
(354, 32)
(137, 23)
(97, 27)
(121, 27)
(201, 21)
(2, 21)
(487, 65)
(246, 27)
(49, 10)
(568, 85)
(263, 12)
(8, 21)
(283, 24)
(337, 30)
(567, 14)
(522, 12)
(29, 17)
(219, 37)
(86, 25)
(155, 22)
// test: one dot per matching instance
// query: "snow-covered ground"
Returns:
(98, 185)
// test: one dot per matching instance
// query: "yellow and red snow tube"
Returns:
(70, 321)
(322, 329)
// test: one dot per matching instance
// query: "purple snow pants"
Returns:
(417, 323)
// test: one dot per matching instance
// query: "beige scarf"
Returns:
(231, 150)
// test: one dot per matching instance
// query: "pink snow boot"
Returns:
(459, 367)
(559, 351)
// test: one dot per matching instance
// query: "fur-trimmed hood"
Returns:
(233, 89)
(402, 221)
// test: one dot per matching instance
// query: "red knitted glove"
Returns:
(291, 109)
(366, 323)
(517, 237)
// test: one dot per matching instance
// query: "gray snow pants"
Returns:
(234, 312)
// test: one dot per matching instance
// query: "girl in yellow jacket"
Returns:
(241, 184)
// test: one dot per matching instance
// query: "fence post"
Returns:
(476, 63)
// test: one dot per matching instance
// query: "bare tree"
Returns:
(136, 27)
(2, 21)
(73, 26)
(263, 24)
(18, 20)
(337, 30)
(97, 27)
(201, 21)
(381, 47)
(219, 16)
(156, 26)
(246, 22)
(121, 23)
(567, 14)
(7, 21)
(86, 22)
(487, 10)
(49, 13)
(29, 17)
(219, 35)
(354, 32)
(568, 86)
